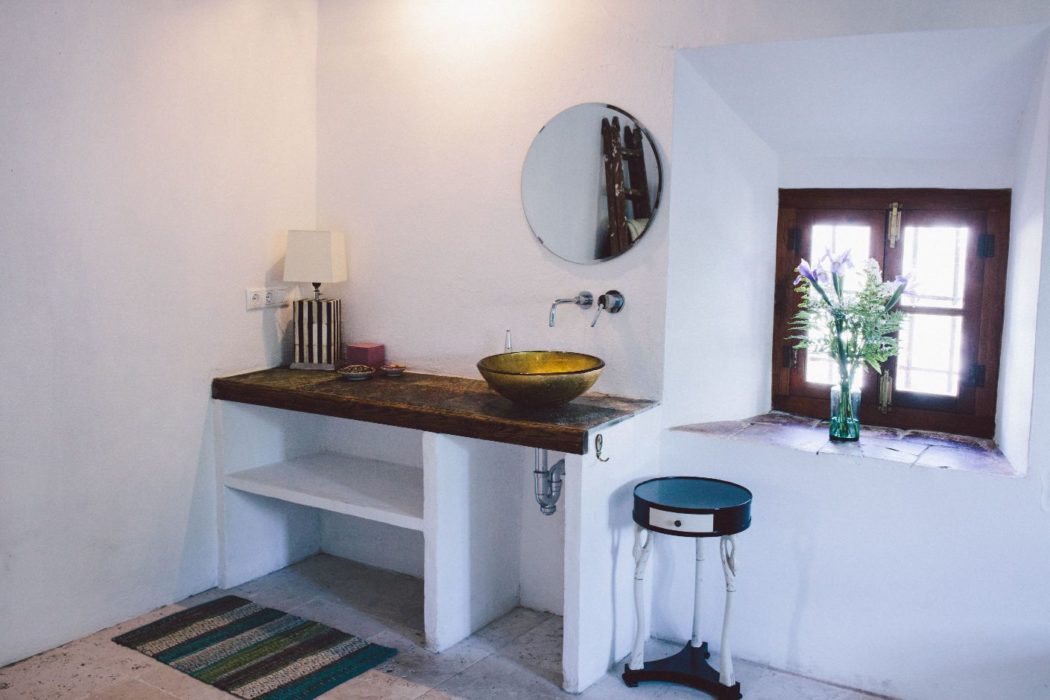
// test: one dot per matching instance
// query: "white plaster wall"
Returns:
(599, 564)
(542, 563)
(913, 583)
(721, 260)
(473, 533)
(1027, 225)
(426, 113)
(975, 173)
(150, 156)
(376, 544)
(1039, 445)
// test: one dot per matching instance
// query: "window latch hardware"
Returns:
(986, 246)
(885, 392)
(893, 232)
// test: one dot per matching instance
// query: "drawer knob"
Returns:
(678, 523)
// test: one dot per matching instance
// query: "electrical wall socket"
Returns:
(265, 297)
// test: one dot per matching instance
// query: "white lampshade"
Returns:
(315, 256)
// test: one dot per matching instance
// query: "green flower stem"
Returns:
(840, 351)
(823, 294)
(845, 414)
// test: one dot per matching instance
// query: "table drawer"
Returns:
(682, 522)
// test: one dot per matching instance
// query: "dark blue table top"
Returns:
(692, 492)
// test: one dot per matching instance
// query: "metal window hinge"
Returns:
(794, 238)
(893, 229)
(788, 356)
(978, 375)
(885, 392)
(986, 246)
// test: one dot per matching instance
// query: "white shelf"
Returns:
(366, 488)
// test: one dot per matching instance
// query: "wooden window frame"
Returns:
(973, 412)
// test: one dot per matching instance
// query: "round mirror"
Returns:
(591, 183)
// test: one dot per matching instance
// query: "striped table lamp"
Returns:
(316, 257)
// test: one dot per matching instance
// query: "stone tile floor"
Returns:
(516, 657)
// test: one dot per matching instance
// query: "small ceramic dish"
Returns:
(356, 373)
(392, 369)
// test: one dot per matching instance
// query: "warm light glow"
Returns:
(466, 21)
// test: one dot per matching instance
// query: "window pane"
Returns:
(930, 355)
(935, 256)
(821, 370)
(837, 239)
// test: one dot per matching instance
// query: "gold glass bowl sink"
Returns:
(540, 377)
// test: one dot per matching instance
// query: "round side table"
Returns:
(696, 507)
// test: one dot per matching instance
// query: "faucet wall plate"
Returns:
(612, 301)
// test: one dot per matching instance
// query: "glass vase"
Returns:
(845, 415)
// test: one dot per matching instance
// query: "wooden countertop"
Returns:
(430, 402)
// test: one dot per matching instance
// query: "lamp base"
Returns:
(317, 330)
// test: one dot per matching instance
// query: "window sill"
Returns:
(915, 448)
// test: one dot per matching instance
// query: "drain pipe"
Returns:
(547, 481)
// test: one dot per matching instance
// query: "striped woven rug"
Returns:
(255, 652)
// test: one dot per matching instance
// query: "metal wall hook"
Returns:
(598, 448)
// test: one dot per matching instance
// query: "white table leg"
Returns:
(728, 550)
(696, 641)
(643, 544)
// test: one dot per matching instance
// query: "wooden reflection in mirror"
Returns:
(620, 192)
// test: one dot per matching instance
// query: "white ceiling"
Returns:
(953, 95)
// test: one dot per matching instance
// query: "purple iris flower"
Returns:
(841, 263)
(900, 283)
(806, 272)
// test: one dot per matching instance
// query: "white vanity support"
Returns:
(643, 547)
(727, 546)
(599, 595)
(471, 527)
(697, 641)
(260, 535)
(283, 474)
(277, 481)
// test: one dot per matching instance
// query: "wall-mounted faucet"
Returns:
(584, 300)
(612, 301)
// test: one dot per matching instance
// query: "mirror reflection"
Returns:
(591, 183)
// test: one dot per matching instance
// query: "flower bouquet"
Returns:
(855, 329)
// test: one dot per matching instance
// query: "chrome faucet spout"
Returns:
(554, 308)
(584, 300)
